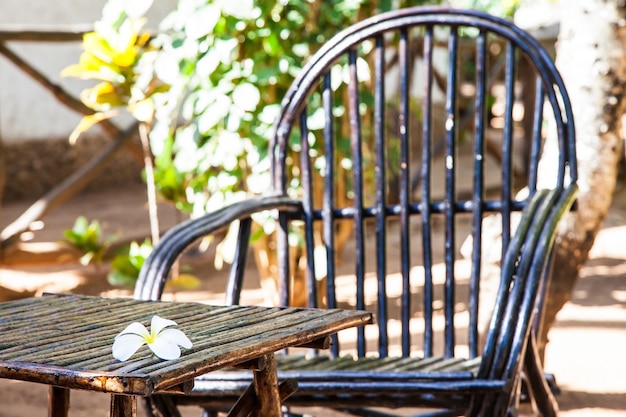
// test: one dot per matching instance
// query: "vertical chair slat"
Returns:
(564, 132)
(450, 192)
(478, 191)
(235, 278)
(381, 190)
(507, 145)
(328, 211)
(282, 250)
(535, 135)
(309, 208)
(279, 177)
(426, 192)
(357, 156)
(405, 175)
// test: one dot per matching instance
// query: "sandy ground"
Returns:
(586, 350)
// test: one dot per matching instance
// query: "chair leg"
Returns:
(58, 402)
(248, 402)
(161, 406)
(123, 406)
(538, 387)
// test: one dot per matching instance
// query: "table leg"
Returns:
(266, 387)
(123, 406)
(58, 402)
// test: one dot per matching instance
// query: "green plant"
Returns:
(87, 237)
(228, 63)
(125, 266)
(504, 8)
(118, 55)
(207, 86)
(115, 55)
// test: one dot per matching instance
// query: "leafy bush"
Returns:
(208, 84)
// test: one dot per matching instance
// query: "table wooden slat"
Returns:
(66, 340)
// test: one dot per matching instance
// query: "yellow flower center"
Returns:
(150, 338)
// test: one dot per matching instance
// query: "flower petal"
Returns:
(164, 349)
(125, 345)
(158, 323)
(135, 328)
(177, 337)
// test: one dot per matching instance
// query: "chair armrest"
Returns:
(155, 270)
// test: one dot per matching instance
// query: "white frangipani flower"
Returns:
(164, 343)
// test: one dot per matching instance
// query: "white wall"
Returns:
(27, 111)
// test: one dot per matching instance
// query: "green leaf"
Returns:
(241, 9)
(87, 237)
(385, 5)
(214, 114)
(137, 8)
(246, 96)
(202, 22)
(103, 97)
(86, 259)
(126, 265)
(80, 226)
(183, 281)
(86, 123)
(118, 278)
(271, 45)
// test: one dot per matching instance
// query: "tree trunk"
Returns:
(591, 56)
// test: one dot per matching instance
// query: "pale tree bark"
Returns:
(591, 56)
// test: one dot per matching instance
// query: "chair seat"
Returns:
(402, 381)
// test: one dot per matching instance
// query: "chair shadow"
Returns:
(576, 400)
(602, 282)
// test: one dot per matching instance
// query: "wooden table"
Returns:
(65, 341)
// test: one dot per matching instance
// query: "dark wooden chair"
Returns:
(391, 132)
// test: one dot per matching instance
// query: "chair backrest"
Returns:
(401, 135)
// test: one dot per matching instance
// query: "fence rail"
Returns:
(9, 236)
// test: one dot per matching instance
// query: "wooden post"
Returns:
(58, 401)
(123, 406)
(266, 387)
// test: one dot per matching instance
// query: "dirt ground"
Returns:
(586, 350)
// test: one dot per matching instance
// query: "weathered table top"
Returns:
(65, 340)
